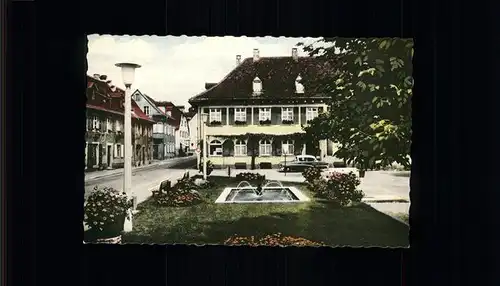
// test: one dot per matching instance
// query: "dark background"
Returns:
(454, 148)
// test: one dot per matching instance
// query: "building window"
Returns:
(118, 126)
(96, 124)
(215, 148)
(240, 114)
(287, 114)
(146, 110)
(257, 86)
(299, 87)
(240, 148)
(118, 151)
(264, 113)
(137, 97)
(311, 113)
(287, 147)
(215, 114)
(158, 128)
(265, 148)
(109, 125)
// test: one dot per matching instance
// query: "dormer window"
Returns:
(257, 86)
(299, 87)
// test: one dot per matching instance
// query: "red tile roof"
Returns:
(113, 101)
(278, 75)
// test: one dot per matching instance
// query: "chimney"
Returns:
(255, 55)
(238, 59)
(103, 77)
(295, 55)
(96, 76)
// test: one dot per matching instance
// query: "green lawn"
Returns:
(210, 223)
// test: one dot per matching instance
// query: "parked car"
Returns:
(300, 163)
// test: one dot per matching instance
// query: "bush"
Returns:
(338, 187)
(184, 193)
(251, 177)
(311, 174)
(341, 187)
(271, 240)
(105, 211)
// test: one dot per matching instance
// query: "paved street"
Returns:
(143, 179)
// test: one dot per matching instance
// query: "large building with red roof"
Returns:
(256, 112)
(104, 138)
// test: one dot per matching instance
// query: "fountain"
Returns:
(270, 192)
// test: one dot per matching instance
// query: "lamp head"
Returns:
(128, 72)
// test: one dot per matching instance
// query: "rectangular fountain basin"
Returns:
(269, 195)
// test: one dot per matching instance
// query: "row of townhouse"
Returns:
(104, 137)
(171, 136)
(263, 100)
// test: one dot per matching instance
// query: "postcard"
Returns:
(265, 141)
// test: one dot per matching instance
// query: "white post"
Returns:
(127, 181)
(227, 116)
(300, 117)
(128, 70)
(204, 151)
(252, 116)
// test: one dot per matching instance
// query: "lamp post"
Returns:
(204, 118)
(128, 74)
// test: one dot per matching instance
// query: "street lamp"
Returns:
(128, 75)
(204, 118)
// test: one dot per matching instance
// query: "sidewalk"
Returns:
(105, 173)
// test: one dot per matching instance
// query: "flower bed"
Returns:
(271, 240)
(182, 194)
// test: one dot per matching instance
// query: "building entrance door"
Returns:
(108, 158)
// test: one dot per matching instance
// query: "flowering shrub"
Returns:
(287, 122)
(239, 122)
(311, 174)
(180, 195)
(105, 210)
(247, 176)
(271, 240)
(339, 187)
(215, 122)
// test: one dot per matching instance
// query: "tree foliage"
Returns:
(370, 111)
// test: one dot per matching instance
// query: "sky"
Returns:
(177, 68)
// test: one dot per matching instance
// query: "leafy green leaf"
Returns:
(382, 44)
